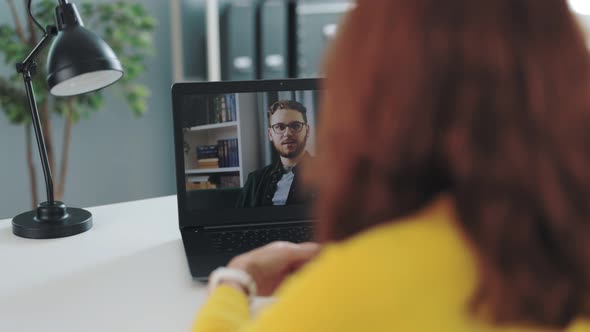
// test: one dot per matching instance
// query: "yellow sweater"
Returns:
(415, 274)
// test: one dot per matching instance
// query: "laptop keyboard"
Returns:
(238, 241)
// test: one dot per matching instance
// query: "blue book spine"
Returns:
(237, 152)
(232, 161)
(220, 153)
(206, 151)
(228, 112)
(233, 107)
(226, 147)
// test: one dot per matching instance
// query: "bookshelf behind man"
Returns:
(220, 134)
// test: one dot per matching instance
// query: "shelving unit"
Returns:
(244, 130)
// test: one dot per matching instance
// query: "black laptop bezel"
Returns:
(235, 216)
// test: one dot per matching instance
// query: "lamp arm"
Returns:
(27, 68)
(29, 61)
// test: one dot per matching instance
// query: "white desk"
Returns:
(128, 273)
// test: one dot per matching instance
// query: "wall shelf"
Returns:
(212, 170)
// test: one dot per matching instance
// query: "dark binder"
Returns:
(238, 40)
(273, 38)
(317, 23)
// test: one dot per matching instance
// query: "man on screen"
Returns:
(277, 184)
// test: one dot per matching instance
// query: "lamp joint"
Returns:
(30, 69)
(51, 30)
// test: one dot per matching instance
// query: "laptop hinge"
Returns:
(282, 223)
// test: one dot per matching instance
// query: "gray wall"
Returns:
(114, 157)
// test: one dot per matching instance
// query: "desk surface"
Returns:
(128, 273)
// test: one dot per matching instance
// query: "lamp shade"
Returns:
(79, 61)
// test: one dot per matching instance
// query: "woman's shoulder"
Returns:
(423, 240)
(407, 266)
(424, 248)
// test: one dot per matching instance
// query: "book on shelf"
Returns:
(230, 107)
(222, 153)
(206, 151)
(234, 153)
(228, 152)
(215, 111)
(197, 178)
(194, 182)
(225, 180)
(229, 181)
(222, 108)
(218, 109)
(207, 156)
(212, 181)
(208, 163)
(227, 108)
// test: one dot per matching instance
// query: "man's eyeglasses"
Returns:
(279, 128)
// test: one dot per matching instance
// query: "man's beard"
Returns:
(291, 154)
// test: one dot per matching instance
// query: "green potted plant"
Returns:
(126, 26)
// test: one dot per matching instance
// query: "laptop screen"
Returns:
(246, 149)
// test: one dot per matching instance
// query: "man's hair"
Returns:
(478, 99)
(287, 105)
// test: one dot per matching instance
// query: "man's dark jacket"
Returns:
(261, 185)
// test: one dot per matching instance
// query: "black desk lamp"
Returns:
(78, 62)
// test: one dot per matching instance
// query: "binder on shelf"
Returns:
(273, 56)
(238, 41)
(317, 24)
(193, 37)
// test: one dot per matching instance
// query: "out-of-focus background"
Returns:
(116, 156)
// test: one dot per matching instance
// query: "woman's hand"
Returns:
(271, 264)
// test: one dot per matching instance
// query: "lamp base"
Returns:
(50, 221)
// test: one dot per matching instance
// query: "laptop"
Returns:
(238, 169)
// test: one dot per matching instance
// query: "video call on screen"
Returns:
(235, 156)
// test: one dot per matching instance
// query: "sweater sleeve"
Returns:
(226, 310)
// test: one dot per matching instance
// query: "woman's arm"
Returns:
(227, 308)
